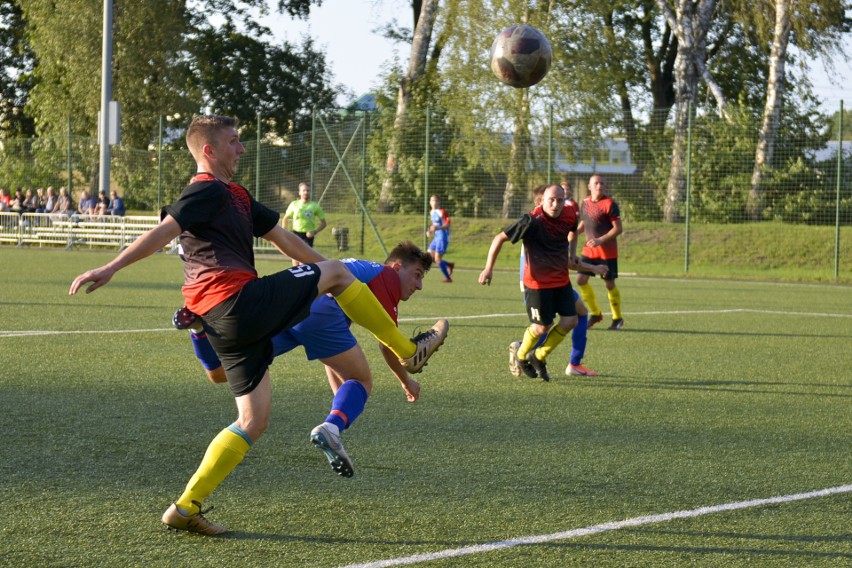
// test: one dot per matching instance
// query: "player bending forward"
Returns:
(326, 336)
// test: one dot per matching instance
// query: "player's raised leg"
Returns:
(361, 306)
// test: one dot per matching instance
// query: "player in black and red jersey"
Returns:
(601, 223)
(549, 253)
(217, 221)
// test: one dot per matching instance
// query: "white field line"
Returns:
(663, 313)
(28, 333)
(84, 332)
(601, 528)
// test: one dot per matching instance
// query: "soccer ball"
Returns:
(520, 56)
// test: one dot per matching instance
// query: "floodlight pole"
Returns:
(106, 95)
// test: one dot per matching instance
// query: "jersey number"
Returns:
(301, 270)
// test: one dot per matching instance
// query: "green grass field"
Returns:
(715, 392)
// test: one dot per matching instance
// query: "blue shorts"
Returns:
(324, 333)
(440, 243)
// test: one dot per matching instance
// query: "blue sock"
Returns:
(444, 269)
(578, 340)
(204, 351)
(348, 404)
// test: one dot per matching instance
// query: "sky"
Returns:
(345, 30)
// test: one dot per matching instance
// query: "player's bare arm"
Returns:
(146, 245)
(292, 246)
(493, 253)
(409, 385)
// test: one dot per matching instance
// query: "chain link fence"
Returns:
(361, 166)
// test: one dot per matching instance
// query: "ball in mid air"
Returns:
(520, 56)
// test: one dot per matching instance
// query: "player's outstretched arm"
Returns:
(599, 269)
(493, 253)
(292, 246)
(146, 245)
(409, 385)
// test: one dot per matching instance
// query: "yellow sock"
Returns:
(362, 307)
(554, 337)
(588, 295)
(527, 343)
(223, 454)
(615, 302)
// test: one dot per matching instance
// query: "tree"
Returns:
(241, 75)
(16, 64)
(817, 30)
(691, 22)
(426, 13)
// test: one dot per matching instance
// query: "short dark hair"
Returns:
(407, 253)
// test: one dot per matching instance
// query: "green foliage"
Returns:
(241, 75)
(168, 59)
(16, 64)
(834, 126)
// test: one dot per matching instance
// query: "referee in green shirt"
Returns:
(307, 217)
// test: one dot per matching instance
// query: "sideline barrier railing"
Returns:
(44, 229)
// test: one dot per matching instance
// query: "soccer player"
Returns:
(440, 228)
(325, 335)
(601, 222)
(578, 334)
(217, 221)
(547, 286)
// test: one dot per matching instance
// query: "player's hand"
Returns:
(412, 390)
(485, 278)
(98, 277)
(600, 269)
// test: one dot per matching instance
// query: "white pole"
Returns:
(106, 95)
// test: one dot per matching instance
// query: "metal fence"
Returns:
(348, 160)
(69, 231)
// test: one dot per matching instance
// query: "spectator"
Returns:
(87, 204)
(5, 200)
(17, 202)
(30, 202)
(116, 205)
(101, 205)
(64, 204)
(41, 200)
(50, 200)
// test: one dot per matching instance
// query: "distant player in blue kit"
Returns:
(326, 336)
(440, 228)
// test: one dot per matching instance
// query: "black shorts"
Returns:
(304, 237)
(611, 263)
(241, 328)
(543, 305)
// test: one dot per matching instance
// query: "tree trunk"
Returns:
(416, 70)
(772, 109)
(690, 24)
(516, 180)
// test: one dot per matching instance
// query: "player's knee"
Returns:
(568, 323)
(254, 426)
(334, 276)
(367, 383)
